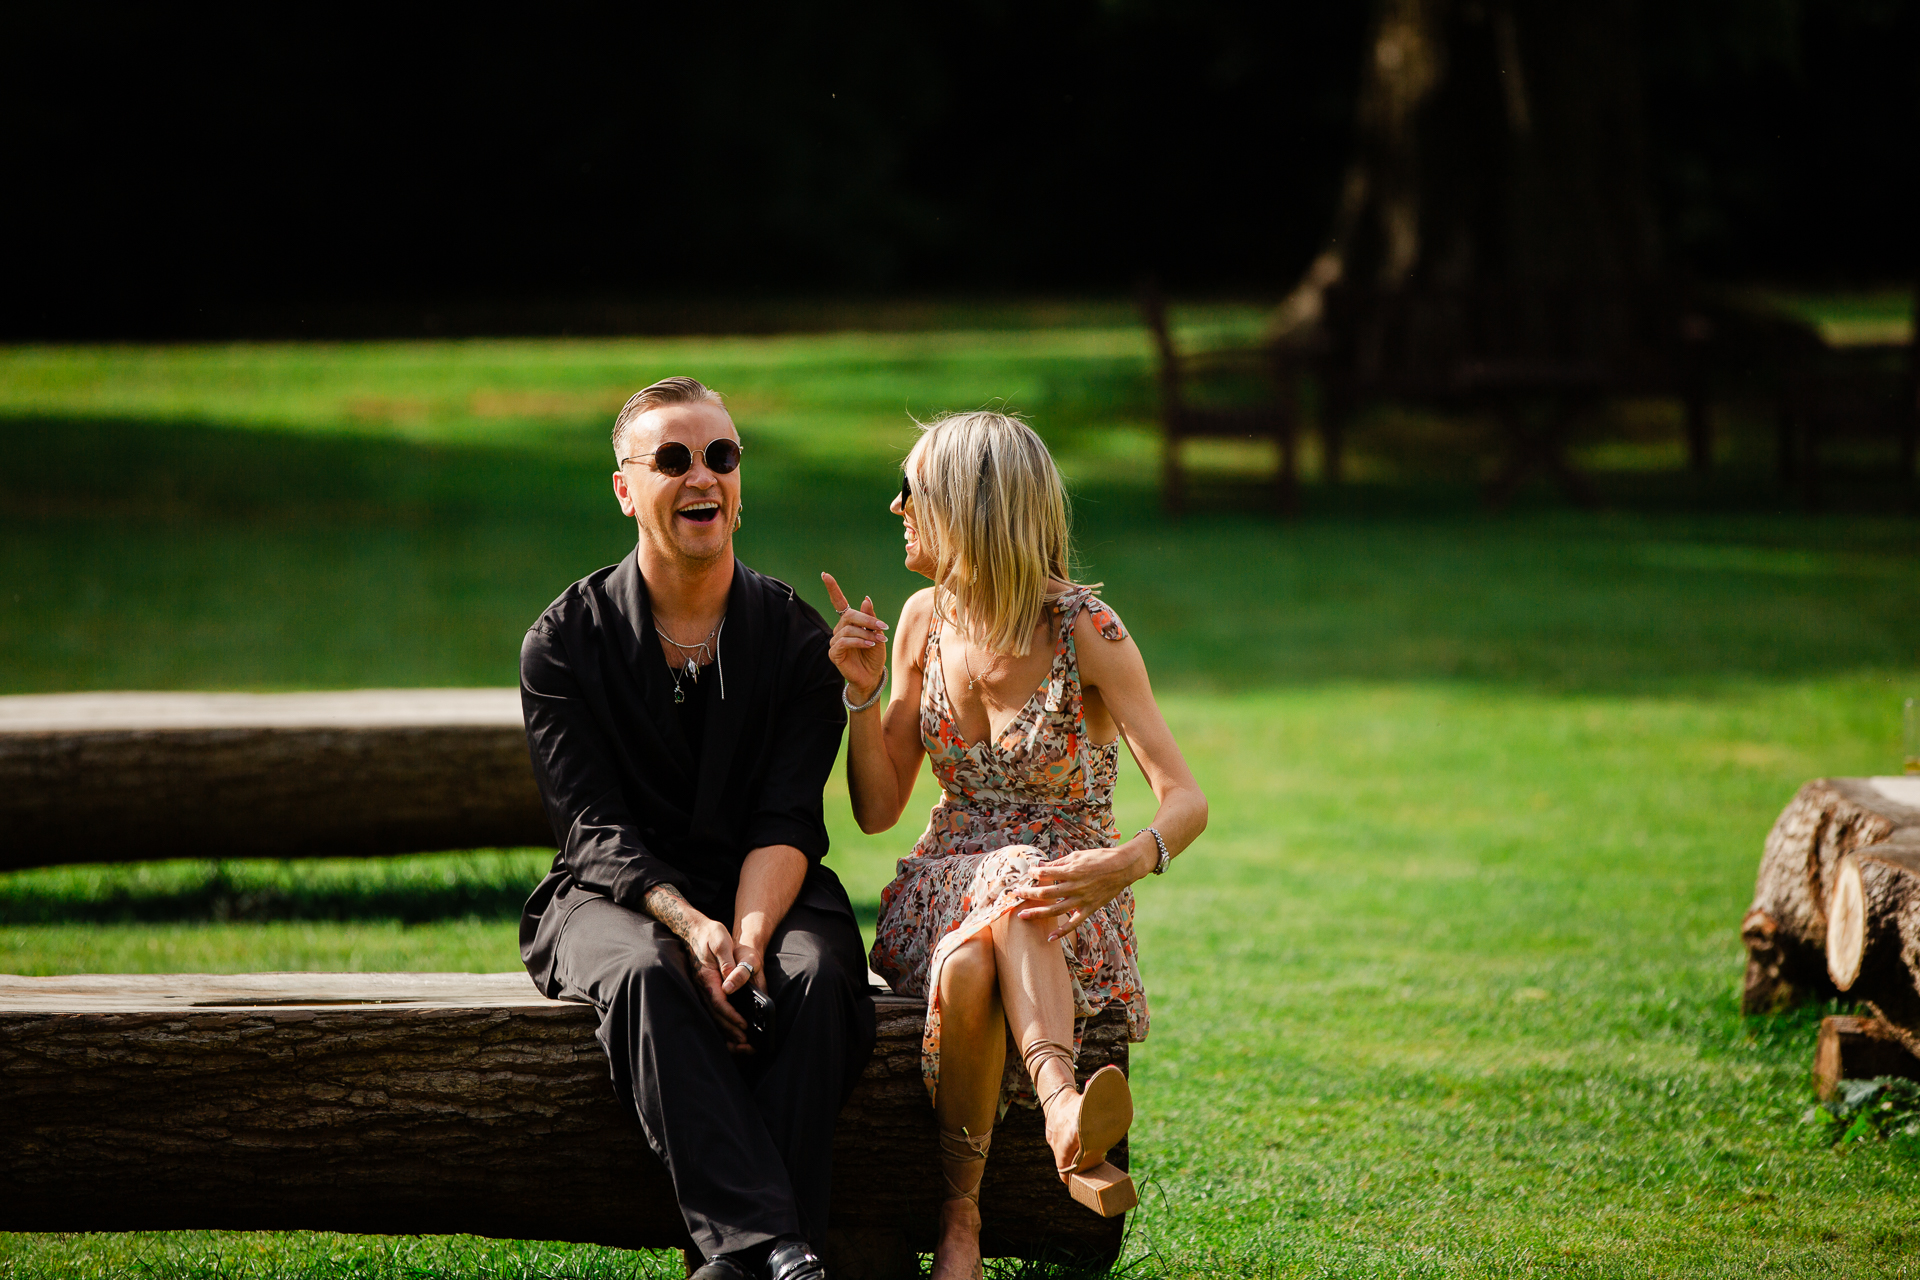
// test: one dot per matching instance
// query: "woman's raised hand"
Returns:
(859, 647)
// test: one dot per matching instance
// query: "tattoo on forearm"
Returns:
(665, 904)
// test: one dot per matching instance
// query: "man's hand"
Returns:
(748, 969)
(770, 879)
(717, 968)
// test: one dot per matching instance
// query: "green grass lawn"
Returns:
(1449, 986)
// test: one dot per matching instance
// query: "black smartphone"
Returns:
(753, 1005)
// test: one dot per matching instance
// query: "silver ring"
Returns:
(747, 965)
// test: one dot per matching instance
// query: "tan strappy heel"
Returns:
(1106, 1113)
(960, 1154)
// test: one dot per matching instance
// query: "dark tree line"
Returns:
(194, 170)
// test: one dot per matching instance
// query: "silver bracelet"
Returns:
(847, 688)
(1166, 855)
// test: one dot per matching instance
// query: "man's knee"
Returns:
(644, 966)
(807, 964)
(613, 955)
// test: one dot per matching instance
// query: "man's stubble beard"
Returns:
(663, 543)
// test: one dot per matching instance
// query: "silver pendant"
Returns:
(693, 671)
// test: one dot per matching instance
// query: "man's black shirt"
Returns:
(690, 710)
(634, 803)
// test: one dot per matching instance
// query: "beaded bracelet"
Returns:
(863, 705)
(1166, 855)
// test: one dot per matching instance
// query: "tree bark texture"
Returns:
(1785, 930)
(1873, 930)
(1859, 1049)
(124, 777)
(1495, 142)
(435, 1103)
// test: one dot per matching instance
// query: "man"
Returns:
(683, 717)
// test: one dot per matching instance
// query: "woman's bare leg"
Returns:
(1038, 994)
(973, 1057)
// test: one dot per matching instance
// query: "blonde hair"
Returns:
(678, 389)
(989, 500)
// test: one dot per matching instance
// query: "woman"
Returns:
(1013, 911)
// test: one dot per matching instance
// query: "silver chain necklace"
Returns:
(695, 653)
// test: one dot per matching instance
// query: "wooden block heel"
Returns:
(1106, 1113)
(1104, 1189)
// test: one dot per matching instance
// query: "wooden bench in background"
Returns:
(1847, 394)
(1536, 358)
(119, 777)
(437, 1103)
(1272, 416)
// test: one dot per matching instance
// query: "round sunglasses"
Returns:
(675, 459)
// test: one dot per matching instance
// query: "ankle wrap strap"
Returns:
(957, 1151)
(1041, 1052)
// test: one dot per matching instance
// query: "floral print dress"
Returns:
(1037, 791)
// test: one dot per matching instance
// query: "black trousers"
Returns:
(748, 1143)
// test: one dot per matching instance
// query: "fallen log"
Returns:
(1785, 930)
(1873, 930)
(436, 1103)
(1853, 1048)
(116, 777)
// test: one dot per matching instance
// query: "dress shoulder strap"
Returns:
(932, 641)
(1072, 602)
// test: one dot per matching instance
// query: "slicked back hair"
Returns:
(678, 389)
(989, 499)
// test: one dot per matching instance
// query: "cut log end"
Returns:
(1846, 926)
(1854, 1048)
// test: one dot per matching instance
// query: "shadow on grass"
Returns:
(188, 471)
(488, 885)
(481, 885)
(247, 559)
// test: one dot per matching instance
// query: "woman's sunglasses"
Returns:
(906, 490)
(675, 459)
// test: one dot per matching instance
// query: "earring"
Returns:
(736, 514)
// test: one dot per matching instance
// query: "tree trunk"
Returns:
(1785, 929)
(1873, 930)
(113, 777)
(1859, 1049)
(1495, 142)
(434, 1103)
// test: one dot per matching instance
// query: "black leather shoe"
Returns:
(722, 1268)
(792, 1260)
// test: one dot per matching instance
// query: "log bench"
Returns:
(116, 777)
(437, 1103)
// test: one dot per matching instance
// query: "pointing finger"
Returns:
(834, 593)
